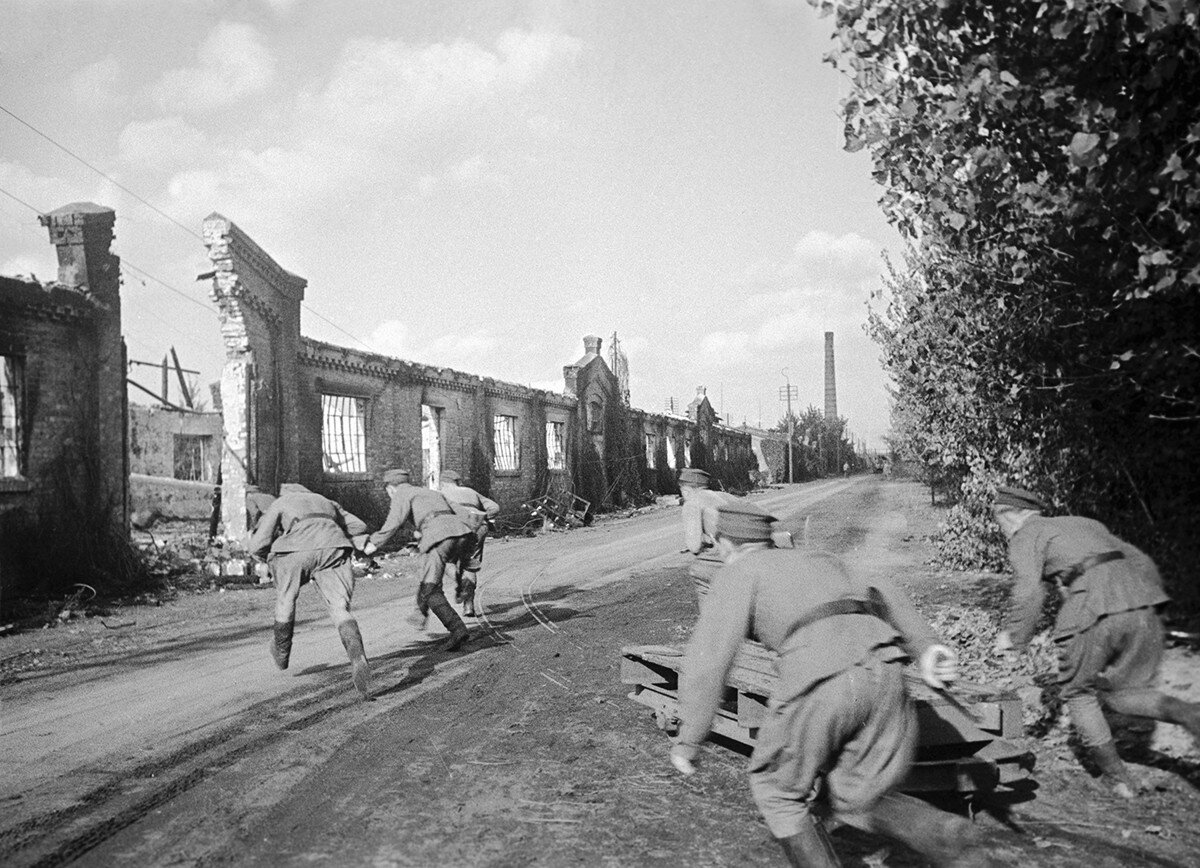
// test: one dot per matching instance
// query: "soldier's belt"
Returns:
(309, 515)
(1087, 563)
(842, 606)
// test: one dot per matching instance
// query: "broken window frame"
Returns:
(556, 446)
(506, 452)
(343, 434)
(196, 450)
(651, 448)
(672, 456)
(12, 417)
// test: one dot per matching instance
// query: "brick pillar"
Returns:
(259, 307)
(82, 233)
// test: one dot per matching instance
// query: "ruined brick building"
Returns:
(334, 418)
(64, 476)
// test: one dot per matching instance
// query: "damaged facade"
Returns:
(334, 418)
(174, 461)
(64, 476)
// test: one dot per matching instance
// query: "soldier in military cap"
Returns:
(442, 535)
(480, 511)
(840, 708)
(700, 505)
(306, 537)
(1108, 631)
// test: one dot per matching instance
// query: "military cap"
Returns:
(395, 477)
(1019, 498)
(451, 476)
(744, 522)
(693, 476)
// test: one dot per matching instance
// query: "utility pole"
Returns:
(786, 393)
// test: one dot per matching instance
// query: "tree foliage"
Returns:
(1043, 159)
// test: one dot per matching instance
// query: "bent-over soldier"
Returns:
(839, 709)
(480, 511)
(700, 504)
(304, 536)
(441, 536)
(1108, 631)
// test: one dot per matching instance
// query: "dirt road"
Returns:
(178, 743)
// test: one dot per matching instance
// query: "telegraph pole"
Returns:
(786, 393)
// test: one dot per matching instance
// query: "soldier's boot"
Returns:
(467, 595)
(281, 643)
(945, 839)
(421, 613)
(810, 847)
(360, 671)
(1113, 770)
(458, 584)
(444, 612)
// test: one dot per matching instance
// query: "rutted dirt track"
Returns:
(189, 748)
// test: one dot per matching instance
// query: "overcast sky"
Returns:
(471, 184)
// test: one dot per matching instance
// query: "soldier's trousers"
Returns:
(328, 569)
(433, 571)
(857, 728)
(1115, 659)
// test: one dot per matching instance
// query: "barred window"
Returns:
(343, 434)
(504, 439)
(651, 448)
(192, 455)
(11, 395)
(555, 451)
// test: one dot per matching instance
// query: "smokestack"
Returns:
(830, 381)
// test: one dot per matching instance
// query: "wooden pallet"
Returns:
(964, 738)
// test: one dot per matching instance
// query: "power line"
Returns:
(22, 201)
(153, 208)
(102, 174)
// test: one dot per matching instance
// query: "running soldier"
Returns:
(700, 505)
(1108, 632)
(304, 536)
(481, 511)
(442, 535)
(840, 709)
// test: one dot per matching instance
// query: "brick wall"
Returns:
(66, 337)
(394, 392)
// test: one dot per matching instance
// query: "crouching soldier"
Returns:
(1108, 632)
(840, 708)
(309, 537)
(480, 511)
(442, 536)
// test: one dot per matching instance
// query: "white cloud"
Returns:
(95, 85)
(463, 351)
(232, 64)
(160, 143)
(385, 108)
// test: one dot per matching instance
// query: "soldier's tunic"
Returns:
(1109, 634)
(839, 707)
(443, 533)
(308, 537)
(479, 510)
(699, 517)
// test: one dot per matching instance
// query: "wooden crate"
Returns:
(964, 738)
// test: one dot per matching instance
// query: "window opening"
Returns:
(343, 434)
(555, 449)
(504, 439)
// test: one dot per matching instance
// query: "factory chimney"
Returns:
(830, 382)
